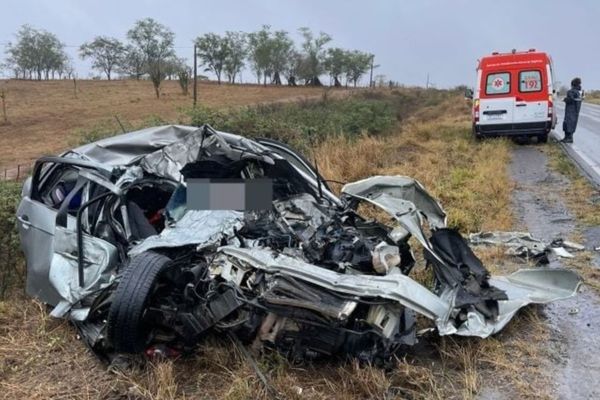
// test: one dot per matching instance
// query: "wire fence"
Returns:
(18, 173)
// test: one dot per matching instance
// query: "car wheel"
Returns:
(126, 329)
(542, 138)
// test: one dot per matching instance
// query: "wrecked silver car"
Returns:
(115, 244)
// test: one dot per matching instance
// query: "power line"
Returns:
(77, 46)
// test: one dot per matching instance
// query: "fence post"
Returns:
(3, 97)
(18, 171)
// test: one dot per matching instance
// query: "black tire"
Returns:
(126, 329)
(542, 138)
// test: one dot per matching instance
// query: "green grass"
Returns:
(11, 262)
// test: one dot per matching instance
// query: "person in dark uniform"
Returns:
(572, 107)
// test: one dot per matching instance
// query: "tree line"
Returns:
(37, 54)
(149, 53)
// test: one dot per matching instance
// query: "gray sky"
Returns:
(408, 38)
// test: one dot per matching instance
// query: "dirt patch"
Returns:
(43, 115)
(574, 344)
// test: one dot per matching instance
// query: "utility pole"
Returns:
(195, 76)
(427, 83)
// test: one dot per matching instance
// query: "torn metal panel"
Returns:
(199, 227)
(404, 199)
(203, 143)
(524, 287)
(99, 263)
(396, 286)
(127, 148)
(456, 290)
(398, 195)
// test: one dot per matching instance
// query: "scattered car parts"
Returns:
(522, 244)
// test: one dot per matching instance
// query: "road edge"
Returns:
(583, 163)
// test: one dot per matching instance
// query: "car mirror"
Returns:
(468, 93)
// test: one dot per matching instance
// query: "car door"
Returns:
(531, 101)
(497, 102)
(52, 180)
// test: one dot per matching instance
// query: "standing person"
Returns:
(572, 107)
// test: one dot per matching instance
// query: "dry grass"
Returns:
(583, 202)
(40, 358)
(582, 199)
(42, 115)
(470, 180)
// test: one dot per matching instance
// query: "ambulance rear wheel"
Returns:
(542, 138)
(476, 135)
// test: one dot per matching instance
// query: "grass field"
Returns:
(43, 115)
(430, 140)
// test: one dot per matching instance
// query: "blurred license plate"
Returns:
(493, 117)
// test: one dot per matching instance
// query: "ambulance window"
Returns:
(498, 83)
(530, 81)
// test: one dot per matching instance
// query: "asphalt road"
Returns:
(585, 149)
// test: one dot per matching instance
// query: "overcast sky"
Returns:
(409, 38)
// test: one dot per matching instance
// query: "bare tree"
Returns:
(106, 52)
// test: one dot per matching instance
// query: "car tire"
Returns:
(542, 138)
(126, 329)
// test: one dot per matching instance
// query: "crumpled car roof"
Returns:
(127, 148)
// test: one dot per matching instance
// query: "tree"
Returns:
(106, 53)
(293, 67)
(66, 68)
(235, 45)
(336, 64)
(132, 62)
(270, 54)
(281, 48)
(177, 68)
(358, 63)
(314, 54)
(212, 51)
(36, 54)
(154, 42)
(259, 49)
